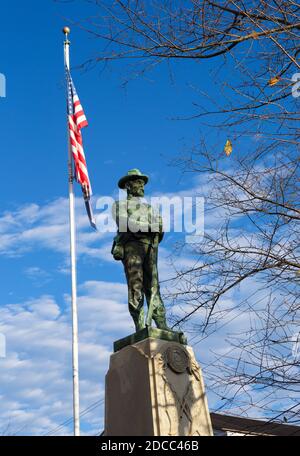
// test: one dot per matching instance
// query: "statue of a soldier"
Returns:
(136, 244)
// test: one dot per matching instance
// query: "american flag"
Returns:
(77, 121)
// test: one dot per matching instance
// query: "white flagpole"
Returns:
(66, 31)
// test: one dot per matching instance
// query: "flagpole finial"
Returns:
(66, 32)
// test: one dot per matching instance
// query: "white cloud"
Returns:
(36, 377)
(37, 275)
(33, 227)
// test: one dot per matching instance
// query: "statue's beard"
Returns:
(139, 192)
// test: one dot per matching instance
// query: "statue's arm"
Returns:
(161, 228)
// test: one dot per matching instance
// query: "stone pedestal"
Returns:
(155, 387)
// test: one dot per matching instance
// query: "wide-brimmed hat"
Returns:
(131, 175)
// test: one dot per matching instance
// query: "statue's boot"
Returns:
(161, 323)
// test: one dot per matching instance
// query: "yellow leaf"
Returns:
(273, 81)
(228, 147)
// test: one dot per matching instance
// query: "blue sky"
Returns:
(128, 127)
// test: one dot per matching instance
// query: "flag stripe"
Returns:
(77, 121)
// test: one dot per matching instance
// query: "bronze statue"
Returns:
(136, 244)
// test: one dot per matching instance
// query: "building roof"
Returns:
(248, 426)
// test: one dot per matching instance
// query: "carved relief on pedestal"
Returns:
(179, 392)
